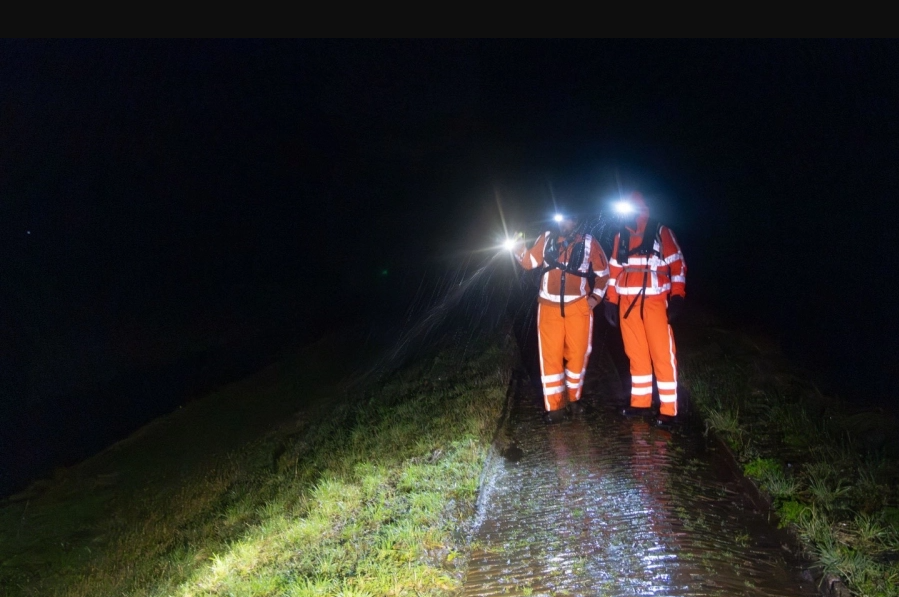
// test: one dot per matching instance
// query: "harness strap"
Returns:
(550, 255)
(562, 295)
(640, 295)
(646, 246)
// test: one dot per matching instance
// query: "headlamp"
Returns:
(509, 244)
(558, 217)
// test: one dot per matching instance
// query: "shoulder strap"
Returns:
(551, 257)
(576, 258)
(624, 241)
(551, 252)
(647, 244)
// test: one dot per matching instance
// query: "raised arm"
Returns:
(533, 257)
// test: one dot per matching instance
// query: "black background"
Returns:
(173, 209)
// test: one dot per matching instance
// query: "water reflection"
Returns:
(602, 505)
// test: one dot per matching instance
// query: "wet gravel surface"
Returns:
(605, 505)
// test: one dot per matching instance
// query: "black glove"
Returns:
(611, 314)
(675, 306)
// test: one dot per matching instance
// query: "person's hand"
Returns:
(515, 243)
(519, 246)
(675, 306)
(611, 313)
(592, 301)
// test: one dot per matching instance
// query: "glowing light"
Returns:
(509, 244)
(558, 217)
(624, 207)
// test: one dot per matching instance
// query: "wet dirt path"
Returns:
(603, 505)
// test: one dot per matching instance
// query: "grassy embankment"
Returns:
(832, 475)
(370, 495)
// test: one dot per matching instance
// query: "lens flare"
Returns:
(558, 217)
(509, 244)
(624, 208)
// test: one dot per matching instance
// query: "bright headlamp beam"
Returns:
(509, 244)
(624, 208)
(558, 217)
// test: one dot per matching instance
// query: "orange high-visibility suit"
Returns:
(564, 318)
(641, 287)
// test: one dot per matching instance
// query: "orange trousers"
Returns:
(565, 344)
(649, 345)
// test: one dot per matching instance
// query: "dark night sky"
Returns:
(158, 198)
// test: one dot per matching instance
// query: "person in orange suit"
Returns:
(646, 291)
(573, 281)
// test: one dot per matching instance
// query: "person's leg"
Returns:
(633, 335)
(663, 353)
(578, 346)
(551, 342)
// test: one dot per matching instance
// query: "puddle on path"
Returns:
(603, 505)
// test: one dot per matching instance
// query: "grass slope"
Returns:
(361, 493)
(831, 474)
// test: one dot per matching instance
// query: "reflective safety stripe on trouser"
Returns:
(649, 345)
(565, 344)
